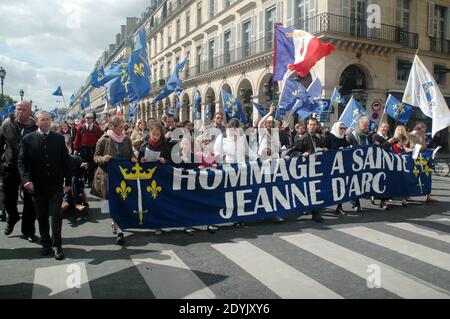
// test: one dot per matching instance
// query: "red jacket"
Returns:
(84, 138)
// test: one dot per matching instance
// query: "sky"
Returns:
(44, 44)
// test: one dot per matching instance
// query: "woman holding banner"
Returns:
(113, 144)
(335, 141)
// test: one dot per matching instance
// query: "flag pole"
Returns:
(65, 106)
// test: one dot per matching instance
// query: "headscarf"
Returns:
(336, 131)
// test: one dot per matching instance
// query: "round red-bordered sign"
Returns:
(376, 105)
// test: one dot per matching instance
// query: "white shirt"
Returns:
(42, 133)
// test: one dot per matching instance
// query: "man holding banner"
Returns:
(309, 144)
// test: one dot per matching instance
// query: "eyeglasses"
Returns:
(342, 128)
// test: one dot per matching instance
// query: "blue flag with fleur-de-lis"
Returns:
(139, 68)
(120, 87)
(233, 107)
(399, 111)
(85, 101)
(139, 193)
(97, 77)
(352, 113)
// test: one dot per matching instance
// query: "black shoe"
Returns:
(405, 204)
(59, 255)
(317, 218)
(31, 238)
(9, 228)
(46, 251)
(239, 224)
(120, 240)
(384, 207)
(3, 216)
(340, 212)
(212, 229)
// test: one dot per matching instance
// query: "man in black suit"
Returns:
(307, 145)
(11, 133)
(44, 166)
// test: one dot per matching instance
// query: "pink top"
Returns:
(205, 160)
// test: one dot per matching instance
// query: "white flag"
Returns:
(423, 91)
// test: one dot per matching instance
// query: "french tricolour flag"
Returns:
(297, 50)
(118, 111)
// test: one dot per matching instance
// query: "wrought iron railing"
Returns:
(332, 23)
(322, 23)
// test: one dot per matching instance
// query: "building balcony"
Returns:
(330, 24)
(440, 45)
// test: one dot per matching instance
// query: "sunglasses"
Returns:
(342, 128)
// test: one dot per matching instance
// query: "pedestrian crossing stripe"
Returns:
(426, 254)
(68, 281)
(168, 276)
(391, 279)
(422, 231)
(284, 280)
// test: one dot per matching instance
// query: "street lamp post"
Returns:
(22, 93)
(2, 78)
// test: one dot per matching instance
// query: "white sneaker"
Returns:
(279, 219)
(158, 231)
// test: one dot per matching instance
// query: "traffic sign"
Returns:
(376, 105)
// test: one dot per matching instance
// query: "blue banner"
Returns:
(139, 193)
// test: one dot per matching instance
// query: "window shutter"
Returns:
(447, 23)
(346, 14)
(253, 36)
(431, 9)
(222, 48)
(279, 14)
(233, 52)
(290, 13)
(262, 34)
(238, 41)
(205, 55)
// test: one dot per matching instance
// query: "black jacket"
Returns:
(164, 149)
(379, 140)
(10, 137)
(333, 143)
(305, 144)
(45, 162)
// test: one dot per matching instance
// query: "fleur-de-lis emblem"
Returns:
(427, 170)
(125, 79)
(139, 69)
(123, 190)
(154, 189)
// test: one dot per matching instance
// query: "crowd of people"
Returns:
(53, 163)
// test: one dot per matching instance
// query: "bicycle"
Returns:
(441, 165)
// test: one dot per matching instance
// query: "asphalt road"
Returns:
(401, 253)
